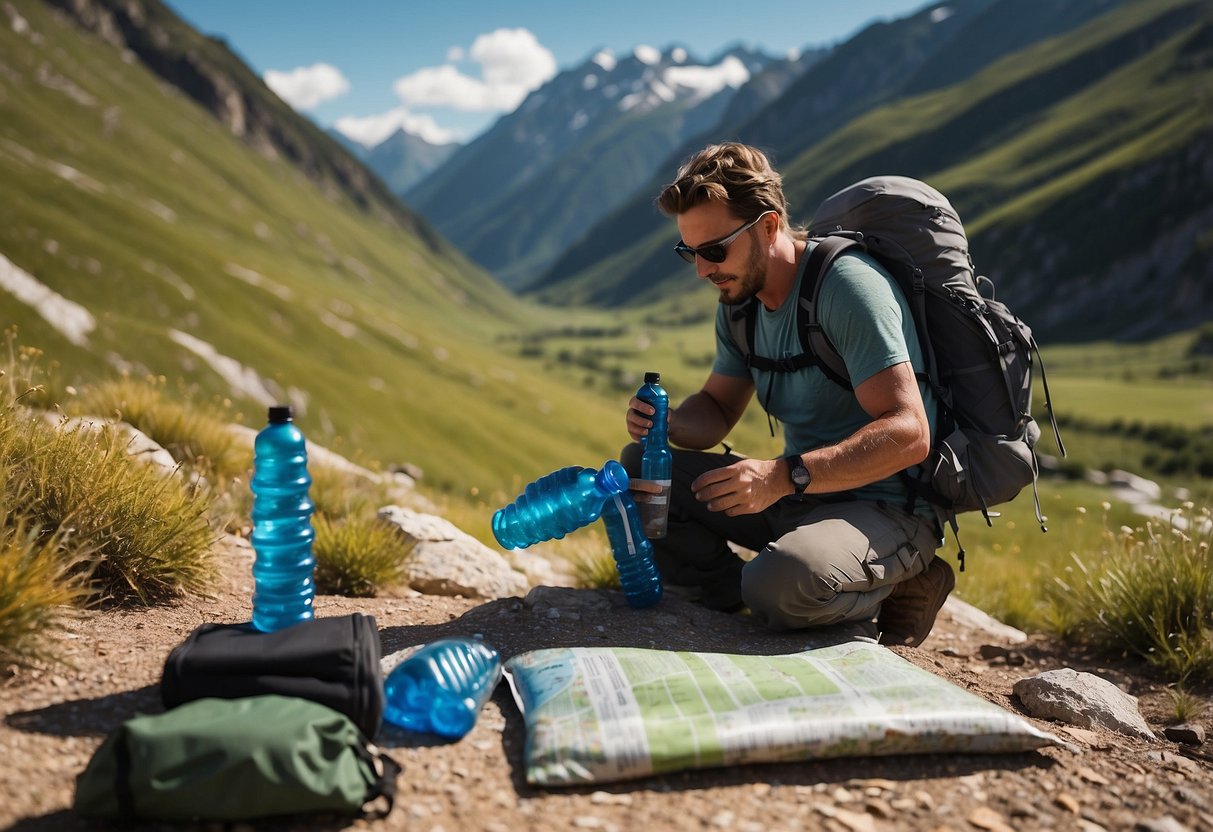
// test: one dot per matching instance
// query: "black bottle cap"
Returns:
(280, 413)
(652, 378)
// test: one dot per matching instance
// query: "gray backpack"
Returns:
(978, 353)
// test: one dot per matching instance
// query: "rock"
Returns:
(974, 619)
(1082, 699)
(1134, 489)
(447, 561)
(1187, 734)
(137, 444)
(1164, 824)
(539, 570)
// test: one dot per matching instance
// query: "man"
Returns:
(838, 537)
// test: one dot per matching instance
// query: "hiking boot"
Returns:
(907, 616)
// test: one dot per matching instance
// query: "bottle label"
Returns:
(655, 511)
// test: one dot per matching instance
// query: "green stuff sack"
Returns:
(236, 759)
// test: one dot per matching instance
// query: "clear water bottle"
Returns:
(638, 573)
(558, 503)
(657, 462)
(441, 688)
(283, 591)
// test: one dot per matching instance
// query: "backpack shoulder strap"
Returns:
(742, 320)
(816, 349)
(813, 339)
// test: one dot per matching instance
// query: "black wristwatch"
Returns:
(799, 473)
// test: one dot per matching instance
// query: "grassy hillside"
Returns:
(122, 196)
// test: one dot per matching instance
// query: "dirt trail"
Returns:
(54, 718)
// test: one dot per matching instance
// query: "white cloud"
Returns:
(371, 130)
(513, 63)
(454, 55)
(306, 86)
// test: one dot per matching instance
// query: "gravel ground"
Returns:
(55, 717)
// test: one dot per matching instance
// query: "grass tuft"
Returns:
(592, 562)
(143, 535)
(1186, 706)
(358, 555)
(38, 587)
(195, 434)
(1150, 592)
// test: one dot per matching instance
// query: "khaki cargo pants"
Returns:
(819, 562)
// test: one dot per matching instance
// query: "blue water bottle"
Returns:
(558, 503)
(283, 590)
(657, 462)
(638, 575)
(441, 688)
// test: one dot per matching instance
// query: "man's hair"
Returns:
(737, 174)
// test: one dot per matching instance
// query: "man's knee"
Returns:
(785, 592)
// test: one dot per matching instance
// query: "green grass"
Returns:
(196, 434)
(358, 556)
(1149, 590)
(40, 583)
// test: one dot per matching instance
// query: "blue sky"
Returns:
(446, 69)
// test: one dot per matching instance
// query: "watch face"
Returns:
(799, 473)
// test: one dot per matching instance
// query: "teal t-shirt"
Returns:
(866, 317)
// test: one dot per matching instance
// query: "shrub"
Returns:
(358, 555)
(592, 562)
(38, 586)
(142, 534)
(195, 434)
(1151, 592)
(338, 493)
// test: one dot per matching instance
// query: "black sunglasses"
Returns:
(717, 251)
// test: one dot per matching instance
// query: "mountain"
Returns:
(206, 70)
(141, 232)
(403, 159)
(578, 146)
(1078, 162)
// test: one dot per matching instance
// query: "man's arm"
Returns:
(703, 419)
(897, 437)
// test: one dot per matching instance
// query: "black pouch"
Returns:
(333, 661)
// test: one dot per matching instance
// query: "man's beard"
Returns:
(748, 284)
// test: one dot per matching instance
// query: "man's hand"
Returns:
(639, 418)
(745, 487)
(643, 491)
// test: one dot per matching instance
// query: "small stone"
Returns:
(854, 821)
(723, 819)
(1068, 802)
(880, 808)
(1164, 824)
(1186, 734)
(841, 795)
(986, 818)
(608, 799)
(1092, 776)
(587, 822)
